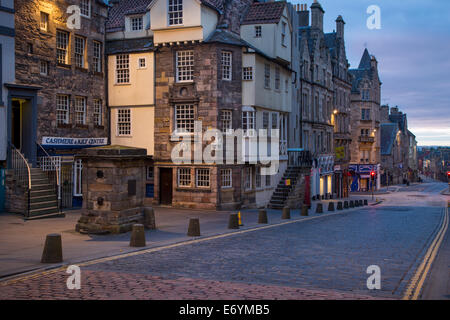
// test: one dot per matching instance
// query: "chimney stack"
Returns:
(303, 15)
(317, 13)
(340, 27)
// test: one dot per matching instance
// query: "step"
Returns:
(39, 187)
(45, 198)
(44, 204)
(38, 212)
(39, 181)
(41, 193)
(49, 215)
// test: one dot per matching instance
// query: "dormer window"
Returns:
(258, 31)
(136, 24)
(175, 11)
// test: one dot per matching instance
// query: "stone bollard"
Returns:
(352, 204)
(137, 236)
(346, 205)
(331, 206)
(304, 212)
(339, 206)
(262, 217)
(52, 249)
(149, 218)
(194, 228)
(286, 213)
(319, 208)
(233, 222)
(366, 203)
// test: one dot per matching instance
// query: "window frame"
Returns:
(62, 47)
(89, 8)
(79, 52)
(47, 18)
(258, 31)
(187, 57)
(78, 111)
(65, 110)
(197, 180)
(41, 64)
(97, 112)
(227, 65)
(267, 72)
(179, 120)
(226, 178)
(247, 73)
(179, 19)
(123, 121)
(226, 117)
(97, 62)
(184, 177)
(122, 74)
(139, 25)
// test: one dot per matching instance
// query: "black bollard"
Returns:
(137, 236)
(345, 204)
(262, 217)
(52, 249)
(331, 206)
(339, 206)
(194, 228)
(366, 203)
(352, 204)
(286, 213)
(233, 222)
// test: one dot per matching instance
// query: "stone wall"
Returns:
(16, 196)
(34, 45)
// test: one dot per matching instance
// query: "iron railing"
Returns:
(299, 158)
(51, 167)
(22, 173)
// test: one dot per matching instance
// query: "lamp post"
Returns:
(372, 175)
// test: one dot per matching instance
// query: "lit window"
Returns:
(267, 75)
(258, 31)
(175, 12)
(97, 59)
(184, 118)
(80, 110)
(185, 65)
(202, 178)
(124, 122)
(123, 68)
(98, 112)
(44, 21)
(79, 51)
(226, 117)
(85, 8)
(43, 68)
(62, 109)
(226, 65)
(136, 24)
(62, 43)
(247, 73)
(226, 178)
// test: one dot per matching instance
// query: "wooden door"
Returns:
(165, 186)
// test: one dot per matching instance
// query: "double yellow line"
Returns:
(417, 281)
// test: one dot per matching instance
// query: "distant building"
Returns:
(365, 120)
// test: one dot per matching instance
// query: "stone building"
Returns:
(57, 103)
(365, 121)
(131, 80)
(316, 89)
(342, 86)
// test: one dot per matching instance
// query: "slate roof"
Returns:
(364, 71)
(309, 39)
(388, 135)
(226, 37)
(129, 46)
(214, 4)
(265, 12)
(116, 19)
(331, 43)
(365, 62)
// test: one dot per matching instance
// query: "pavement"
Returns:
(22, 242)
(318, 257)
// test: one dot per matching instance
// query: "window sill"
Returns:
(196, 190)
(96, 73)
(99, 127)
(64, 65)
(122, 84)
(81, 126)
(81, 69)
(64, 126)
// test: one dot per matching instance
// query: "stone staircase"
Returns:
(281, 193)
(43, 196)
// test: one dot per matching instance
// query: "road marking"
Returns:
(38, 274)
(417, 281)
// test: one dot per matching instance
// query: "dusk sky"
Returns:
(413, 51)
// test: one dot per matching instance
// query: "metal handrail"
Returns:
(51, 159)
(13, 148)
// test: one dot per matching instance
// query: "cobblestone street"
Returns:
(323, 258)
